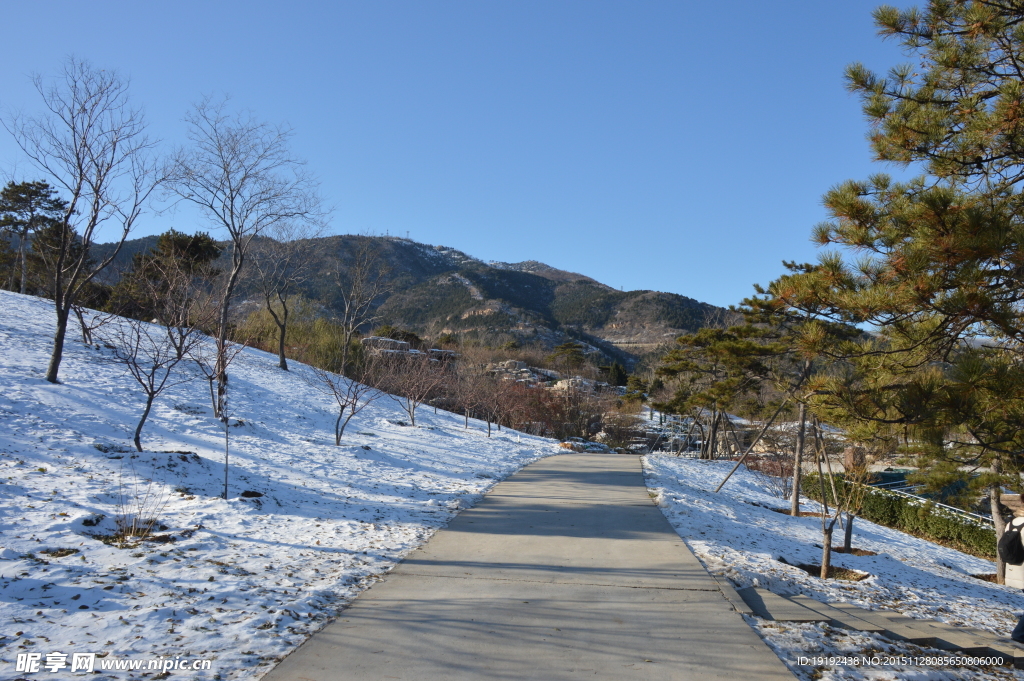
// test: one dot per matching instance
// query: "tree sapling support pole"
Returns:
(752, 444)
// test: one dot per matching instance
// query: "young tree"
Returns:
(242, 177)
(409, 379)
(362, 282)
(151, 352)
(281, 261)
(351, 393)
(26, 207)
(847, 498)
(92, 145)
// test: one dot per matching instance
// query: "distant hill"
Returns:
(440, 290)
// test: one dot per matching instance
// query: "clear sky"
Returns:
(676, 145)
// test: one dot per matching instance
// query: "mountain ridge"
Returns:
(439, 290)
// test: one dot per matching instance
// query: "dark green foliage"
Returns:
(46, 249)
(26, 208)
(175, 259)
(568, 356)
(421, 306)
(10, 270)
(924, 520)
(617, 375)
(720, 369)
(582, 303)
(520, 289)
(636, 389)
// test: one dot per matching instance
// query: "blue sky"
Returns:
(676, 146)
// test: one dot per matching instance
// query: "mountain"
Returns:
(439, 290)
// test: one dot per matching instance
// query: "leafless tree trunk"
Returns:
(242, 177)
(353, 393)
(151, 352)
(362, 283)
(281, 261)
(91, 143)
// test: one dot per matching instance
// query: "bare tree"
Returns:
(92, 145)
(241, 175)
(351, 393)
(280, 263)
(410, 379)
(151, 352)
(362, 281)
(847, 498)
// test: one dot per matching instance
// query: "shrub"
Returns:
(921, 519)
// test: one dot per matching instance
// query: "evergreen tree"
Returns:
(617, 375)
(938, 261)
(177, 259)
(25, 208)
(569, 356)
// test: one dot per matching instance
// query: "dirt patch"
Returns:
(803, 514)
(834, 572)
(59, 553)
(854, 551)
(987, 577)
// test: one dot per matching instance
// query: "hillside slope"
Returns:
(239, 581)
(437, 290)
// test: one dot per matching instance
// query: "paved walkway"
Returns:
(566, 570)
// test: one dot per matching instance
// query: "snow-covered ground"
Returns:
(736, 535)
(245, 580)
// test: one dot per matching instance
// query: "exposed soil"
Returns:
(834, 572)
(853, 551)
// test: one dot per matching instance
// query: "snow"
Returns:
(245, 580)
(737, 535)
(248, 579)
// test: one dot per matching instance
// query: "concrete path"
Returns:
(566, 570)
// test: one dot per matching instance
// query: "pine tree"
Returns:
(175, 260)
(25, 208)
(617, 375)
(934, 263)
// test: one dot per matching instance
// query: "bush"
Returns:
(921, 519)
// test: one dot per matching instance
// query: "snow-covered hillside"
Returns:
(238, 582)
(737, 535)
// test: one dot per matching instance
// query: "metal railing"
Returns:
(958, 511)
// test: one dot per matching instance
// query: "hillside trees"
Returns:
(26, 207)
(91, 144)
(168, 288)
(178, 265)
(239, 173)
(281, 261)
(934, 264)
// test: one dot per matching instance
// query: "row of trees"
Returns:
(101, 172)
(909, 334)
